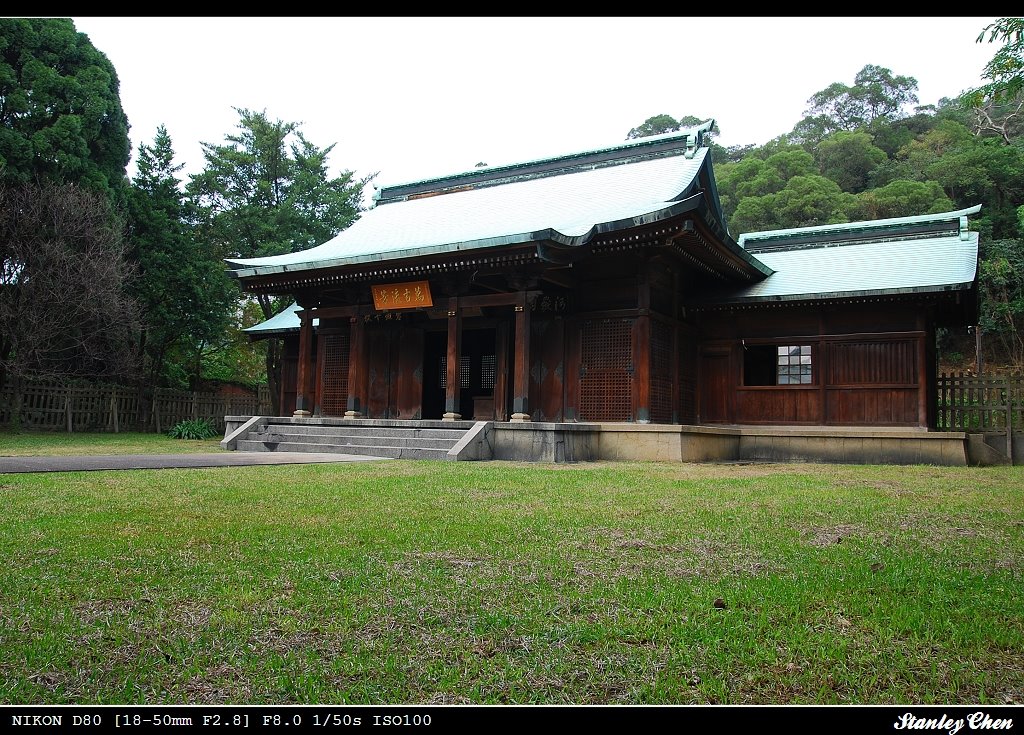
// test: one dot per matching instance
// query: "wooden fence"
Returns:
(969, 403)
(98, 407)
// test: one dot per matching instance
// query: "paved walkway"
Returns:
(76, 463)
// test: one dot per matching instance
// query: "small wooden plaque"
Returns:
(411, 295)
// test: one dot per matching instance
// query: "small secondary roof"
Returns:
(281, 323)
(920, 254)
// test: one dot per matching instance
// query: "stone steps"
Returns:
(374, 438)
(338, 432)
(375, 450)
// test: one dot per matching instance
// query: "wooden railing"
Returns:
(100, 407)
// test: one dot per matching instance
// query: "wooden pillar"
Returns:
(501, 372)
(822, 353)
(304, 381)
(922, 373)
(452, 388)
(642, 351)
(572, 370)
(356, 400)
(521, 377)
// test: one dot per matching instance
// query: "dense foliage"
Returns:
(64, 310)
(266, 191)
(60, 118)
(869, 151)
(100, 274)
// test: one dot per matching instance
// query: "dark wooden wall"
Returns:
(870, 366)
(622, 347)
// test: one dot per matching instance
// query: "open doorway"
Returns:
(478, 374)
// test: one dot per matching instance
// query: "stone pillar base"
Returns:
(520, 418)
(353, 415)
(451, 416)
(301, 414)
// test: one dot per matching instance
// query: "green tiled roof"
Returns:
(566, 200)
(285, 321)
(927, 253)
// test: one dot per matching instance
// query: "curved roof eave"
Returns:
(546, 235)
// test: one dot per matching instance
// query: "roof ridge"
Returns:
(819, 233)
(685, 141)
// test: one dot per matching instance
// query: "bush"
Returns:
(192, 429)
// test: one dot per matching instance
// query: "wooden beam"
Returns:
(521, 377)
(334, 312)
(559, 277)
(452, 388)
(496, 299)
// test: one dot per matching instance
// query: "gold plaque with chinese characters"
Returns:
(412, 295)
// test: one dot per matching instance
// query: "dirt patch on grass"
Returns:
(825, 536)
(621, 553)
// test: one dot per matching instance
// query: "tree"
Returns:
(60, 118)
(266, 191)
(181, 286)
(876, 94)
(902, 198)
(659, 124)
(806, 200)
(1002, 285)
(754, 177)
(849, 158)
(655, 125)
(1005, 70)
(998, 105)
(63, 309)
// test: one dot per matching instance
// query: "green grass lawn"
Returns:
(432, 582)
(39, 443)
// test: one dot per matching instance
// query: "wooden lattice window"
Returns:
(463, 371)
(687, 379)
(488, 370)
(334, 378)
(661, 372)
(606, 367)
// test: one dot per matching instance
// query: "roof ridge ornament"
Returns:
(695, 137)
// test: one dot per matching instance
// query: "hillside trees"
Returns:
(868, 151)
(998, 105)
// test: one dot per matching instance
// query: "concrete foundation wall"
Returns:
(668, 443)
(586, 442)
(546, 442)
(865, 447)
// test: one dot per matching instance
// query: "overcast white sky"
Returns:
(412, 98)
